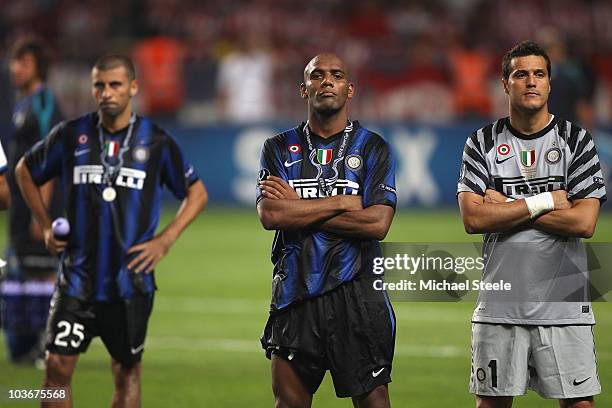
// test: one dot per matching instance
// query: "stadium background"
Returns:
(427, 75)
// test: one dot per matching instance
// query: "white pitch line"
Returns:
(253, 346)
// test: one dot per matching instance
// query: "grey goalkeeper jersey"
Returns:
(547, 272)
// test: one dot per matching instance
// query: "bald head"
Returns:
(325, 59)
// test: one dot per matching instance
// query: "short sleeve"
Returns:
(584, 176)
(379, 180)
(474, 174)
(270, 164)
(176, 173)
(44, 159)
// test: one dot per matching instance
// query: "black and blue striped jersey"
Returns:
(310, 262)
(103, 228)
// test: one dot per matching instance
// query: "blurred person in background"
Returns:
(31, 268)
(573, 91)
(244, 83)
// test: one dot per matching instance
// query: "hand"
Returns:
(560, 199)
(277, 189)
(151, 252)
(55, 246)
(351, 202)
(494, 197)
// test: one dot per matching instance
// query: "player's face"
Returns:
(23, 70)
(326, 85)
(112, 90)
(528, 85)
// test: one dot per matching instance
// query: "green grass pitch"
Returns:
(214, 286)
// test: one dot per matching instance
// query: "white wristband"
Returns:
(509, 199)
(540, 204)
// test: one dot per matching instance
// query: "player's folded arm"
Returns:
(578, 221)
(372, 222)
(285, 214)
(481, 217)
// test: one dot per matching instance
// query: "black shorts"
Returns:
(349, 331)
(120, 323)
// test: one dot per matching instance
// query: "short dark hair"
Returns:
(113, 61)
(34, 46)
(523, 49)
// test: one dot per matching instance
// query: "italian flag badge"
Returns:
(111, 149)
(324, 156)
(528, 157)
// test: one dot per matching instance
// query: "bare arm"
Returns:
(5, 193)
(578, 221)
(480, 216)
(33, 197)
(370, 223)
(282, 208)
(575, 219)
(46, 192)
(151, 252)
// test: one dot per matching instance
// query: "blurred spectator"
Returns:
(386, 42)
(245, 83)
(160, 74)
(572, 91)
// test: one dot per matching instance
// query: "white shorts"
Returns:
(555, 361)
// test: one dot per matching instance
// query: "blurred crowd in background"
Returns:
(235, 61)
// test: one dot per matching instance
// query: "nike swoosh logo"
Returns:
(289, 164)
(81, 152)
(137, 349)
(501, 161)
(580, 382)
(377, 373)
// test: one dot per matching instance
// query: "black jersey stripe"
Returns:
(582, 160)
(487, 131)
(578, 179)
(473, 170)
(473, 154)
(573, 139)
(585, 192)
(474, 139)
(562, 127)
(582, 144)
(472, 186)
(499, 126)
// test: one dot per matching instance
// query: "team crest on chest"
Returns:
(324, 156)
(353, 162)
(140, 154)
(553, 155)
(528, 157)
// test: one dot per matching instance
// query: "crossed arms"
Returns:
(282, 209)
(492, 213)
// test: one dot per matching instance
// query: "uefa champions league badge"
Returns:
(553, 155)
(109, 194)
(354, 162)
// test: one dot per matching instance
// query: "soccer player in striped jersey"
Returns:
(327, 187)
(532, 184)
(113, 165)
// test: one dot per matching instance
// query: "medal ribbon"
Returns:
(111, 171)
(326, 186)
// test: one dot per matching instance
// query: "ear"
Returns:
(303, 91)
(134, 88)
(351, 90)
(505, 85)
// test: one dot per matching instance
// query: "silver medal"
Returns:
(109, 194)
